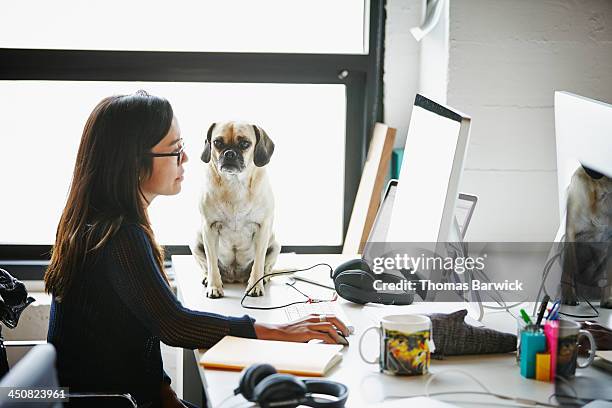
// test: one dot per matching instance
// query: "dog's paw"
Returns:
(258, 290)
(214, 292)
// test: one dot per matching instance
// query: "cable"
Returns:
(454, 370)
(595, 316)
(246, 293)
(546, 271)
(523, 401)
(462, 248)
(506, 307)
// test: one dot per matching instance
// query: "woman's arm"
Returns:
(135, 276)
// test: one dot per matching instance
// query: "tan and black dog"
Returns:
(587, 263)
(235, 242)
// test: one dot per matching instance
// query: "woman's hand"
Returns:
(324, 327)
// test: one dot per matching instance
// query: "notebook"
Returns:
(306, 359)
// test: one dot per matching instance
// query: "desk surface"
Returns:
(499, 372)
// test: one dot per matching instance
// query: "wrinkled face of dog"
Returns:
(232, 147)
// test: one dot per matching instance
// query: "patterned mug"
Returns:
(567, 348)
(406, 344)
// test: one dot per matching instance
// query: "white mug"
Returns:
(405, 344)
(567, 351)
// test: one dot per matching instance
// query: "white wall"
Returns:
(401, 76)
(505, 60)
(433, 64)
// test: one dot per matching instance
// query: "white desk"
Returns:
(499, 373)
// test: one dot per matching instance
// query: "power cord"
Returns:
(594, 316)
(309, 300)
(454, 370)
(523, 401)
(546, 270)
(462, 248)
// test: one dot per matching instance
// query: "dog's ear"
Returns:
(207, 145)
(264, 147)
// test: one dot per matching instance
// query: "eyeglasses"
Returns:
(178, 154)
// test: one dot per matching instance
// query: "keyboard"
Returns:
(300, 310)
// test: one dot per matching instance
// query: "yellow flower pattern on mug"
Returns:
(407, 354)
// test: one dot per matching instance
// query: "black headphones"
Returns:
(354, 281)
(260, 383)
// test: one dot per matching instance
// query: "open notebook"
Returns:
(306, 359)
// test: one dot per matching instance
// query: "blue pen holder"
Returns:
(532, 342)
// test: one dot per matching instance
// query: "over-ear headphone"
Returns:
(261, 383)
(354, 281)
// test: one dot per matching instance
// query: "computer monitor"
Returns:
(464, 210)
(424, 206)
(583, 129)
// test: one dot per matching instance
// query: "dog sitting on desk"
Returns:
(587, 260)
(236, 241)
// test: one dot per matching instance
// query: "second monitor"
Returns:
(435, 150)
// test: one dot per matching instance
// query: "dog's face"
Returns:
(233, 147)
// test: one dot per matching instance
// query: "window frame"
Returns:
(360, 73)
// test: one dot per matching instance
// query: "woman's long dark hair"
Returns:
(105, 190)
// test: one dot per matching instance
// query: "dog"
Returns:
(235, 241)
(587, 262)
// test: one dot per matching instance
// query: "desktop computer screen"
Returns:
(424, 206)
(583, 129)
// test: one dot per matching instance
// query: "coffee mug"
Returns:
(405, 345)
(567, 351)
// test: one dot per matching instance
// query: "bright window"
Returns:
(42, 122)
(287, 26)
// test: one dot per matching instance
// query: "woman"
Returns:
(112, 303)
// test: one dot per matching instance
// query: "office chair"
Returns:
(37, 370)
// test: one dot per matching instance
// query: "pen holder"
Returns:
(551, 331)
(521, 326)
(532, 342)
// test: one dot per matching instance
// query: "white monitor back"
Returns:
(436, 145)
(583, 129)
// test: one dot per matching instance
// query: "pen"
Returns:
(525, 316)
(553, 310)
(542, 309)
(555, 313)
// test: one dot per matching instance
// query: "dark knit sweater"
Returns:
(108, 327)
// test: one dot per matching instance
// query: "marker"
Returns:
(525, 316)
(542, 309)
